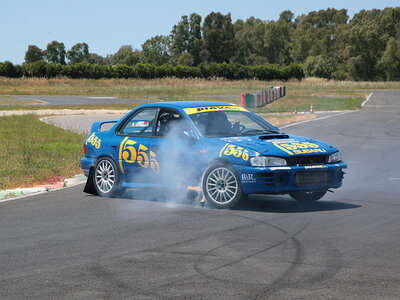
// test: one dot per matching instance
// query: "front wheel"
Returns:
(307, 197)
(221, 186)
(106, 177)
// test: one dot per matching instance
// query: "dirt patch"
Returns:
(280, 120)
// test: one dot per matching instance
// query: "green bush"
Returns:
(35, 69)
(182, 71)
(7, 69)
(123, 71)
(53, 70)
(229, 71)
(165, 70)
(145, 71)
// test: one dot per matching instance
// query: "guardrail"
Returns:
(259, 99)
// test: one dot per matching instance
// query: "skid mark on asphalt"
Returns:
(206, 273)
(332, 265)
(201, 236)
(101, 270)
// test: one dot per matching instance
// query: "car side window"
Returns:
(140, 123)
(171, 124)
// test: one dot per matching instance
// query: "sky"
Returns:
(106, 25)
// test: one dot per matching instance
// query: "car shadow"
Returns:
(284, 204)
(259, 203)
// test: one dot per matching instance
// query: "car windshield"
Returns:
(231, 124)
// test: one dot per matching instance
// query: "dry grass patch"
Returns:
(281, 120)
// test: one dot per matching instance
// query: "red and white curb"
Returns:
(8, 195)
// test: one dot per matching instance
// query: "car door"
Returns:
(174, 145)
(136, 161)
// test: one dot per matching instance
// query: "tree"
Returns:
(34, 53)
(195, 38)
(320, 66)
(186, 38)
(125, 56)
(390, 60)
(316, 33)
(249, 37)
(277, 38)
(78, 53)
(94, 58)
(55, 53)
(186, 59)
(180, 38)
(219, 38)
(360, 44)
(277, 41)
(157, 50)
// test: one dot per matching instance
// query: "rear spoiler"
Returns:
(97, 125)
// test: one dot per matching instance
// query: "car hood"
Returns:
(281, 145)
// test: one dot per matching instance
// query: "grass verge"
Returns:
(33, 152)
(322, 94)
(167, 88)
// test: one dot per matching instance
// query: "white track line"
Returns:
(326, 117)
(317, 119)
(38, 100)
(366, 100)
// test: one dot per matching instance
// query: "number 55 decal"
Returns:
(235, 151)
(128, 153)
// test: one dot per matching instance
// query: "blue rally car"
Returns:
(220, 149)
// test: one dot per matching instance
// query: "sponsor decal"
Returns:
(94, 141)
(234, 150)
(280, 168)
(194, 188)
(140, 123)
(299, 148)
(196, 110)
(248, 178)
(279, 141)
(131, 152)
(315, 167)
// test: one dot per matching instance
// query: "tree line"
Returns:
(324, 43)
(232, 71)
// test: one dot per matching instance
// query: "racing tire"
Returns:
(307, 197)
(221, 186)
(106, 178)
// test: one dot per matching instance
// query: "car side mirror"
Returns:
(189, 136)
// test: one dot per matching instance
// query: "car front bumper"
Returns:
(282, 180)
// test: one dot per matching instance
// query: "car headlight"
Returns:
(267, 161)
(335, 157)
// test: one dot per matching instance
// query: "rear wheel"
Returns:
(307, 197)
(221, 186)
(106, 177)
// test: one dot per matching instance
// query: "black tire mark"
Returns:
(290, 237)
(201, 236)
(276, 285)
(113, 283)
(204, 274)
(333, 265)
(333, 260)
(107, 276)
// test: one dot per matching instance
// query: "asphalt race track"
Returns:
(68, 245)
